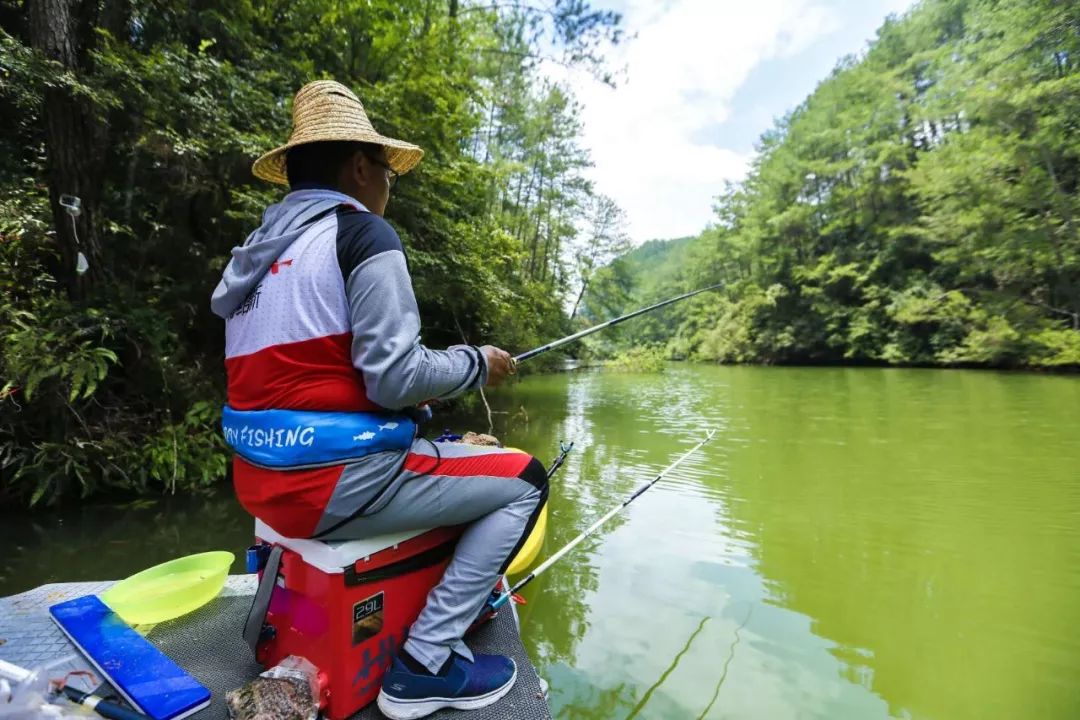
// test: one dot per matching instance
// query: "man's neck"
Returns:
(314, 186)
(308, 191)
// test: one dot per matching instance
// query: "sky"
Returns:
(701, 80)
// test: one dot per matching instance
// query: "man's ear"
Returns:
(352, 172)
(367, 172)
(356, 168)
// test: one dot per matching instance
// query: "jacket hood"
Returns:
(282, 224)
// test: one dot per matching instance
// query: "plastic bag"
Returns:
(30, 695)
(287, 691)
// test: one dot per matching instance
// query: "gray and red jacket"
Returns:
(320, 317)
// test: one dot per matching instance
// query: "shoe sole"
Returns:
(402, 709)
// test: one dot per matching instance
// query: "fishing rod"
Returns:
(564, 450)
(504, 597)
(22, 676)
(595, 328)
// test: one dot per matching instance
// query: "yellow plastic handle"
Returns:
(528, 552)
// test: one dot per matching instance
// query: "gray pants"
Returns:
(499, 492)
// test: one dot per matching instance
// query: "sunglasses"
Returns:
(390, 174)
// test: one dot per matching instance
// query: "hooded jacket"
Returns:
(320, 315)
(322, 342)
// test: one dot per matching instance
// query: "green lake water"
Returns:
(854, 543)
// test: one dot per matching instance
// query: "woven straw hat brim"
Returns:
(400, 156)
(328, 111)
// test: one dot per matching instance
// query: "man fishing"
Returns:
(325, 371)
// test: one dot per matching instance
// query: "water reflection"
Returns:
(575, 496)
(919, 519)
(867, 526)
(108, 542)
(670, 669)
(727, 664)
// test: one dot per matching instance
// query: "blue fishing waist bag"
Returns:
(297, 438)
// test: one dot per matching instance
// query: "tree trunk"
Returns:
(536, 233)
(524, 206)
(581, 294)
(129, 185)
(547, 231)
(74, 139)
(491, 113)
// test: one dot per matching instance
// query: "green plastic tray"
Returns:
(171, 589)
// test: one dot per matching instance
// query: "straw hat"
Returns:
(327, 110)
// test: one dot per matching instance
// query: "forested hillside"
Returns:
(920, 207)
(151, 112)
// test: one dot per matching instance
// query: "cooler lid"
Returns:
(334, 557)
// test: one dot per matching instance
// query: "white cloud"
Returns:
(684, 67)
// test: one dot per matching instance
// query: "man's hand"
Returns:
(499, 362)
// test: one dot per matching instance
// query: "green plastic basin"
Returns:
(171, 589)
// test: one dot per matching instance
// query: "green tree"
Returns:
(919, 207)
(151, 112)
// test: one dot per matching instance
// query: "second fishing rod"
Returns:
(505, 596)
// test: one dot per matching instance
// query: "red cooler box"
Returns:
(346, 606)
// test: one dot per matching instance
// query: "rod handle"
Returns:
(104, 708)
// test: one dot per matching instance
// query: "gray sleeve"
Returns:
(398, 371)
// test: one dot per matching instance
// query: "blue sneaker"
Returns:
(406, 695)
